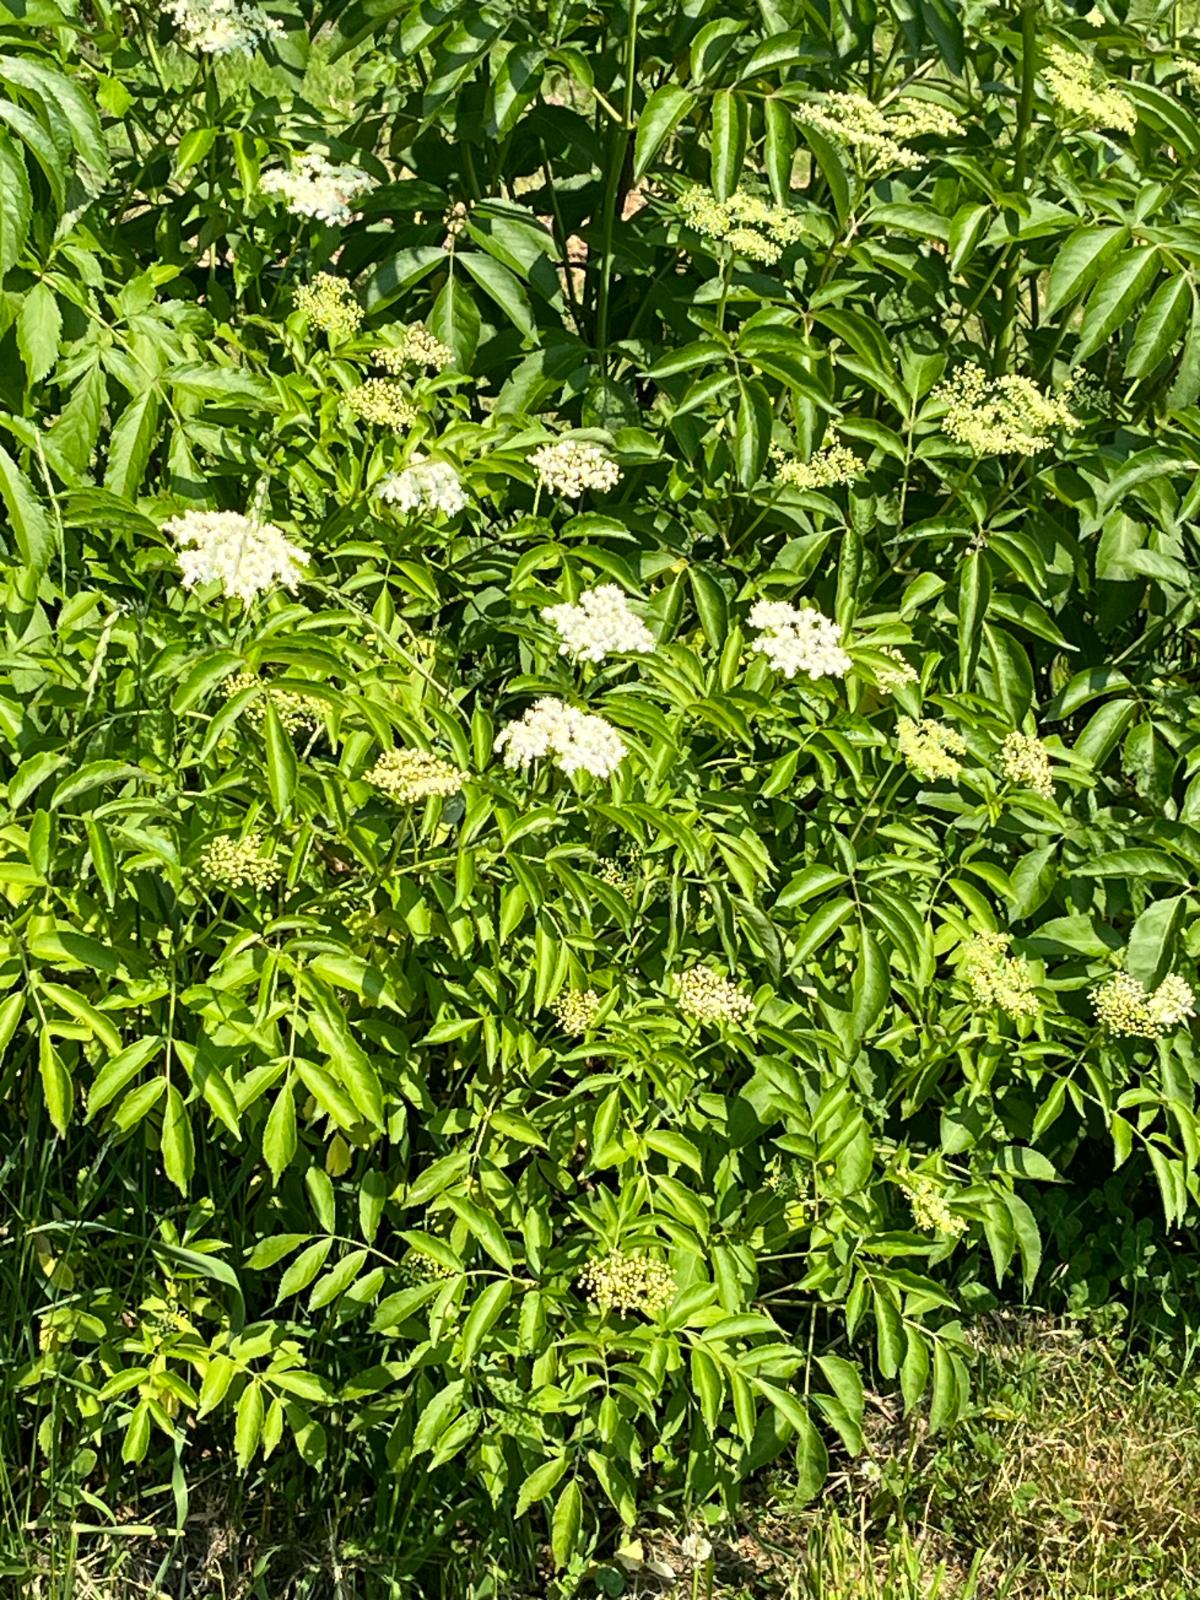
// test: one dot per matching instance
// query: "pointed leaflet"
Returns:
(279, 1135)
(28, 521)
(1114, 297)
(568, 1516)
(1160, 325)
(56, 1083)
(16, 203)
(730, 130)
(39, 324)
(130, 445)
(281, 762)
(502, 286)
(178, 1151)
(1080, 262)
(662, 113)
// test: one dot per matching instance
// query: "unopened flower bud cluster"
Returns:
(747, 223)
(414, 346)
(599, 624)
(576, 1010)
(620, 873)
(1077, 84)
(1125, 1006)
(382, 401)
(411, 775)
(569, 467)
(576, 740)
(416, 1267)
(1025, 760)
(930, 748)
(296, 711)
(629, 1281)
(996, 978)
(931, 1210)
(233, 863)
(898, 671)
(881, 135)
(707, 997)
(793, 1185)
(799, 641)
(329, 304)
(829, 466)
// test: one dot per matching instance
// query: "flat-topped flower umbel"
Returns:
(244, 556)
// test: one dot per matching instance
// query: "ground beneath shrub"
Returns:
(1077, 1474)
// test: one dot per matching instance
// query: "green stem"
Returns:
(616, 155)
(1008, 303)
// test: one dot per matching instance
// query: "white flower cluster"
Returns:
(425, 485)
(599, 624)
(569, 466)
(316, 187)
(578, 741)
(799, 641)
(221, 27)
(244, 556)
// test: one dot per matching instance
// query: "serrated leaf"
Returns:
(279, 1135)
(131, 443)
(568, 1519)
(28, 520)
(540, 1484)
(1113, 299)
(39, 326)
(660, 116)
(1160, 325)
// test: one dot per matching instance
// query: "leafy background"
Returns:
(303, 1181)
